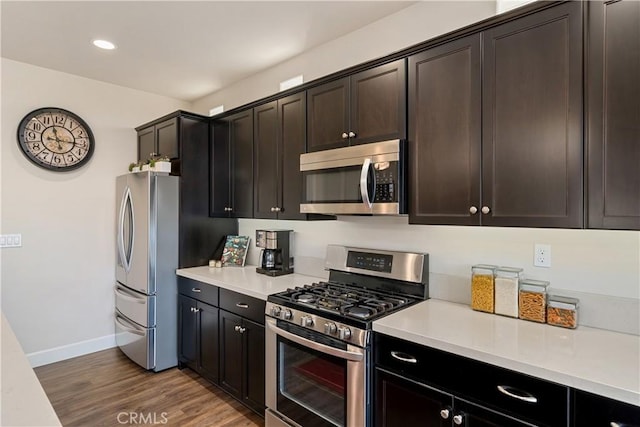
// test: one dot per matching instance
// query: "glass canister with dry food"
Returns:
(507, 282)
(532, 300)
(482, 287)
(562, 311)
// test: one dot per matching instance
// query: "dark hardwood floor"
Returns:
(107, 389)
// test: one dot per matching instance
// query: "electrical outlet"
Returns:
(542, 255)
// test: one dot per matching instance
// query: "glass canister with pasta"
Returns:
(532, 300)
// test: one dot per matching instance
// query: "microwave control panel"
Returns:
(385, 186)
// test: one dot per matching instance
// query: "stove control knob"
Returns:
(275, 311)
(344, 333)
(330, 328)
(287, 315)
(306, 321)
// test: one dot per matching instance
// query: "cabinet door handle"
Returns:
(473, 210)
(242, 305)
(194, 310)
(352, 134)
(236, 328)
(444, 413)
(242, 330)
(345, 135)
(517, 394)
(457, 420)
(196, 290)
(404, 357)
(485, 210)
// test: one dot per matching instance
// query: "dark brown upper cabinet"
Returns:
(279, 139)
(161, 139)
(497, 139)
(364, 107)
(232, 166)
(613, 114)
(532, 156)
(445, 133)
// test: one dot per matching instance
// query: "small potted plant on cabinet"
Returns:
(160, 164)
(135, 167)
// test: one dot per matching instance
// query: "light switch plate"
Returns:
(10, 240)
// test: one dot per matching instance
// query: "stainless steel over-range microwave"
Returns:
(359, 180)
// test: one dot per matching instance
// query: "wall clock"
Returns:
(55, 139)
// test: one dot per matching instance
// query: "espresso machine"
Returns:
(275, 258)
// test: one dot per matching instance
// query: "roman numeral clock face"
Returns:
(55, 139)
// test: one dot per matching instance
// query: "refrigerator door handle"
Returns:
(129, 327)
(126, 207)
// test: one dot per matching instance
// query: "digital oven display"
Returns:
(370, 261)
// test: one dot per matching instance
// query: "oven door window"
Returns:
(338, 185)
(311, 385)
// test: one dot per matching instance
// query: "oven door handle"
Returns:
(342, 354)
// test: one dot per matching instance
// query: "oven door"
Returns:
(312, 380)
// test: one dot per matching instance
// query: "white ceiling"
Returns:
(181, 49)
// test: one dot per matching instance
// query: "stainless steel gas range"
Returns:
(318, 353)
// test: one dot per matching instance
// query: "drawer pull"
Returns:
(196, 290)
(404, 357)
(242, 305)
(517, 394)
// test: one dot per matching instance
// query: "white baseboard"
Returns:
(64, 352)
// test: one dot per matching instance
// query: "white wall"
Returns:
(57, 289)
(601, 267)
(410, 26)
(507, 5)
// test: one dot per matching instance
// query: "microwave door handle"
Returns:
(364, 182)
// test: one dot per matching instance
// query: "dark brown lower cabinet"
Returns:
(415, 383)
(198, 337)
(242, 359)
(592, 410)
(187, 332)
(402, 402)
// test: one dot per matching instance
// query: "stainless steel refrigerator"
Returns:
(147, 257)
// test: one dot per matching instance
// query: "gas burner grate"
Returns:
(344, 299)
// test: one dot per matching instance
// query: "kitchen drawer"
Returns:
(594, 410)
(198, 290)
(242, 305)
(520, 395)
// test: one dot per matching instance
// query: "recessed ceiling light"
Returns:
(104, 44)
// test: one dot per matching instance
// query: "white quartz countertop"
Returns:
(24, 402)
(593, 360)
(245, 280)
